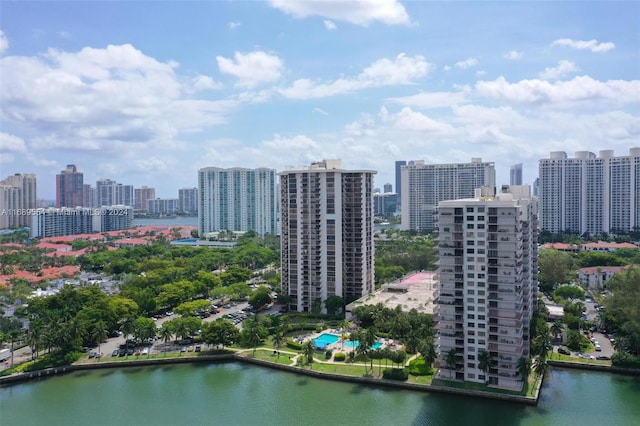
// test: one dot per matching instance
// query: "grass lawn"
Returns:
(267, 355)
(481, 387)
(560, 357)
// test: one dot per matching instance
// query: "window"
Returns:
(471, 340)
(471, 357)
(471, 324)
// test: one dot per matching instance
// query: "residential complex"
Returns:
(488, 283)
(327, 234)
(425, 185)
(54, 222)
(70, 188)
(163, 206)
(590, 194)
(110, 193)
(17, 196)
(142, 196)
(188, 200)
(237, 199)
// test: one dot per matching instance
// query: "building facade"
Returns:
(425, 185)
(110, 193)
(590, 194)
(17, 198)
(188, 200)
(488, 284)
(70, 187)
(142, 196)
(163, 206)
(237, 199)
(515, 174)
(327, 246)
(55, 222)
(399, 165)
(385, 205)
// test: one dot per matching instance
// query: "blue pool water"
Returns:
(326, 339)
(350, 344)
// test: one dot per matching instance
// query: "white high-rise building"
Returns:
(487, 284)
(109, 193)
(17, 198)
(237, 199)
(327, 234)
(188, 200)
(589, 193)
(425, 185)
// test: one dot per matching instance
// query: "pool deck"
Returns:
(339, 345)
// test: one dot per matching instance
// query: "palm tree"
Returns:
(524, 368)
(428, 352)
(450, 360)
(557, 328)
(542, 345)
(166, 334)
(369, 341)
(277, 339)
(308, 350)
(99, 334)
(484, 363)
(540, 366)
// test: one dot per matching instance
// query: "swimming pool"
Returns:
(325, 339)
(351, 344)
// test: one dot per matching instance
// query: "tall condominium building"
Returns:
(515, 174)
(237, 199)
(55, 222)
(142, 196)
(327, 246)
(109, 193)
(70, 188)
(425, 185)
(17, 197)
(590, 194)
(163, 206)
(487, 284)
(385, 205)
(399, 165)
(89, 195)
(188, 200)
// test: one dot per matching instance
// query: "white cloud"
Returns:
(320, 111)
(383, 72)
(467, 63)
(234, 24)
(252, 68)
(64, 34)
(513, 55)
(564, 67)
(361, 12)
(4, 42)
(560, 93)
(407, 119)
(11, 143)
(591, 45)
(330, 25)
(204, 82)
(114, 99)
(297, 142)
(431, 100)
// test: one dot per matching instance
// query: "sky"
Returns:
(147, 93)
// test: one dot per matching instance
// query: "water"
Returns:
(167, 221)
(238, 394)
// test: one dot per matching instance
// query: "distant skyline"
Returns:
(148, 93)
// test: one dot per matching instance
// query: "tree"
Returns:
(308, 350)
(557, 328)
(277, 339)
(334, 305)
(428, 351)
(260, 297)
(524, 368)
(192, 308)
(484, 363)
(450, 360)
(542, 345)
(99, 334)
(555, 268)
(165, 335)
(622, 307)
(569, 292)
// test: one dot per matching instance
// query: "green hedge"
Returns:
(395, 374)
(625, 360)
(294, 345)
(339, 357)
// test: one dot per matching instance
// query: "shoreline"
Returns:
(234, 357)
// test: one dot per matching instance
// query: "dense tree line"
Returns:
(398, 253)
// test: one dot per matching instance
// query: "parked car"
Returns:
(145, 351)
(598, 348)
(564, 351)
(603, 358)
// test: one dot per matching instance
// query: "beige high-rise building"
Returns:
(326, 234)
(487, 284)
(17, 199)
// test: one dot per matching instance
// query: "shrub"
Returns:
(294, 345)
(395, 374)
(625, 360)
(418, 367)
(339, 357)
(327, 354)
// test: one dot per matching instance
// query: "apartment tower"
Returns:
(488, 284)
(327, 234)
(590, 194)
(425, 185)
(237, 199)
(17, 196)
(70, 187)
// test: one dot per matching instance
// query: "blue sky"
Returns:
(146, 93)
